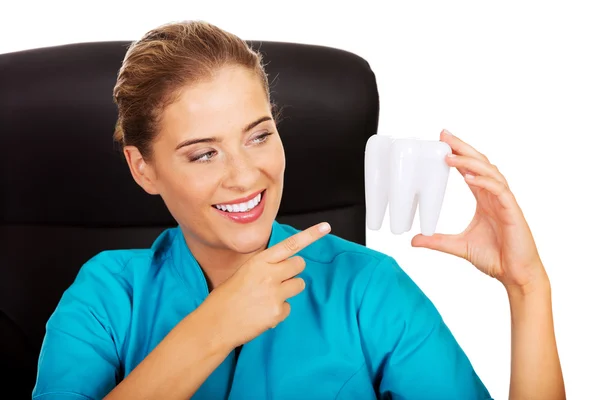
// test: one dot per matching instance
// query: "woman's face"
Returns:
(219, 162)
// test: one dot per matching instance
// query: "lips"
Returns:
(236, 210)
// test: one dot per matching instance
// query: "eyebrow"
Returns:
(214, 139)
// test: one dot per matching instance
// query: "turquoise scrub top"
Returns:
(362, 329)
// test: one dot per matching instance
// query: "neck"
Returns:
(218, 264)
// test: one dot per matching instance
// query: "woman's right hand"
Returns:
(254, 298)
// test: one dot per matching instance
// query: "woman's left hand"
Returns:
(498, 240)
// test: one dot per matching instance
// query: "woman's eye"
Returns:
(204, 157)
(207, 156)
(261, 138)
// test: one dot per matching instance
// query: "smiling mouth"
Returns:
(242, 207)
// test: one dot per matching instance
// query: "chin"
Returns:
(250, 238)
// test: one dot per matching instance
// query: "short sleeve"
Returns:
(411, 352)
(79, 357)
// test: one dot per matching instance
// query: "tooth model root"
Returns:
(403, 185)
(435, 179)
(377, 177)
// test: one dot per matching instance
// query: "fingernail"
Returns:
(451, 155)
(324, 227)
(447, 132)
(469, 176)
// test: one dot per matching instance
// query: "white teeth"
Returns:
(405, 172)
(240, 207)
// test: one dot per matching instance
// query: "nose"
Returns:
(241, 173)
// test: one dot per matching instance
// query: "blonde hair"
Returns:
(165, 60)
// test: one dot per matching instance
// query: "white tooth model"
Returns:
(405, 172)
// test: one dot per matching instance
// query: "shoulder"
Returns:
(347, 257)
(124, 263)
(330, 246)
(371, 272)
(106, 280)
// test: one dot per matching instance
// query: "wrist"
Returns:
(538, 284)
(530, 305)
(538, 290)
(214, 335)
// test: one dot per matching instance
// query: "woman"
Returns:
(232, 304)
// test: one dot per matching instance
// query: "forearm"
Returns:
(535, 365)
(179, 365)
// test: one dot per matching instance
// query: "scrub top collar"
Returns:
(188, 268)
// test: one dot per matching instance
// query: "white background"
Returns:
(518, 80)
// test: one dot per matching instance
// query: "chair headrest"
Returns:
(59, 164)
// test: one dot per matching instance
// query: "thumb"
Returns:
(450, 244)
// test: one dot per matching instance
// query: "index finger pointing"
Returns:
(293, 244)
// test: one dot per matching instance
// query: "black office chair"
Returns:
(66, 192)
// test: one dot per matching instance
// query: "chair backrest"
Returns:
(66, 192)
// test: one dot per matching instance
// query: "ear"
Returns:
(143, 173)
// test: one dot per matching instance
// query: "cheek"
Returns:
(275, 163)
(191, 186)
(201, 184)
